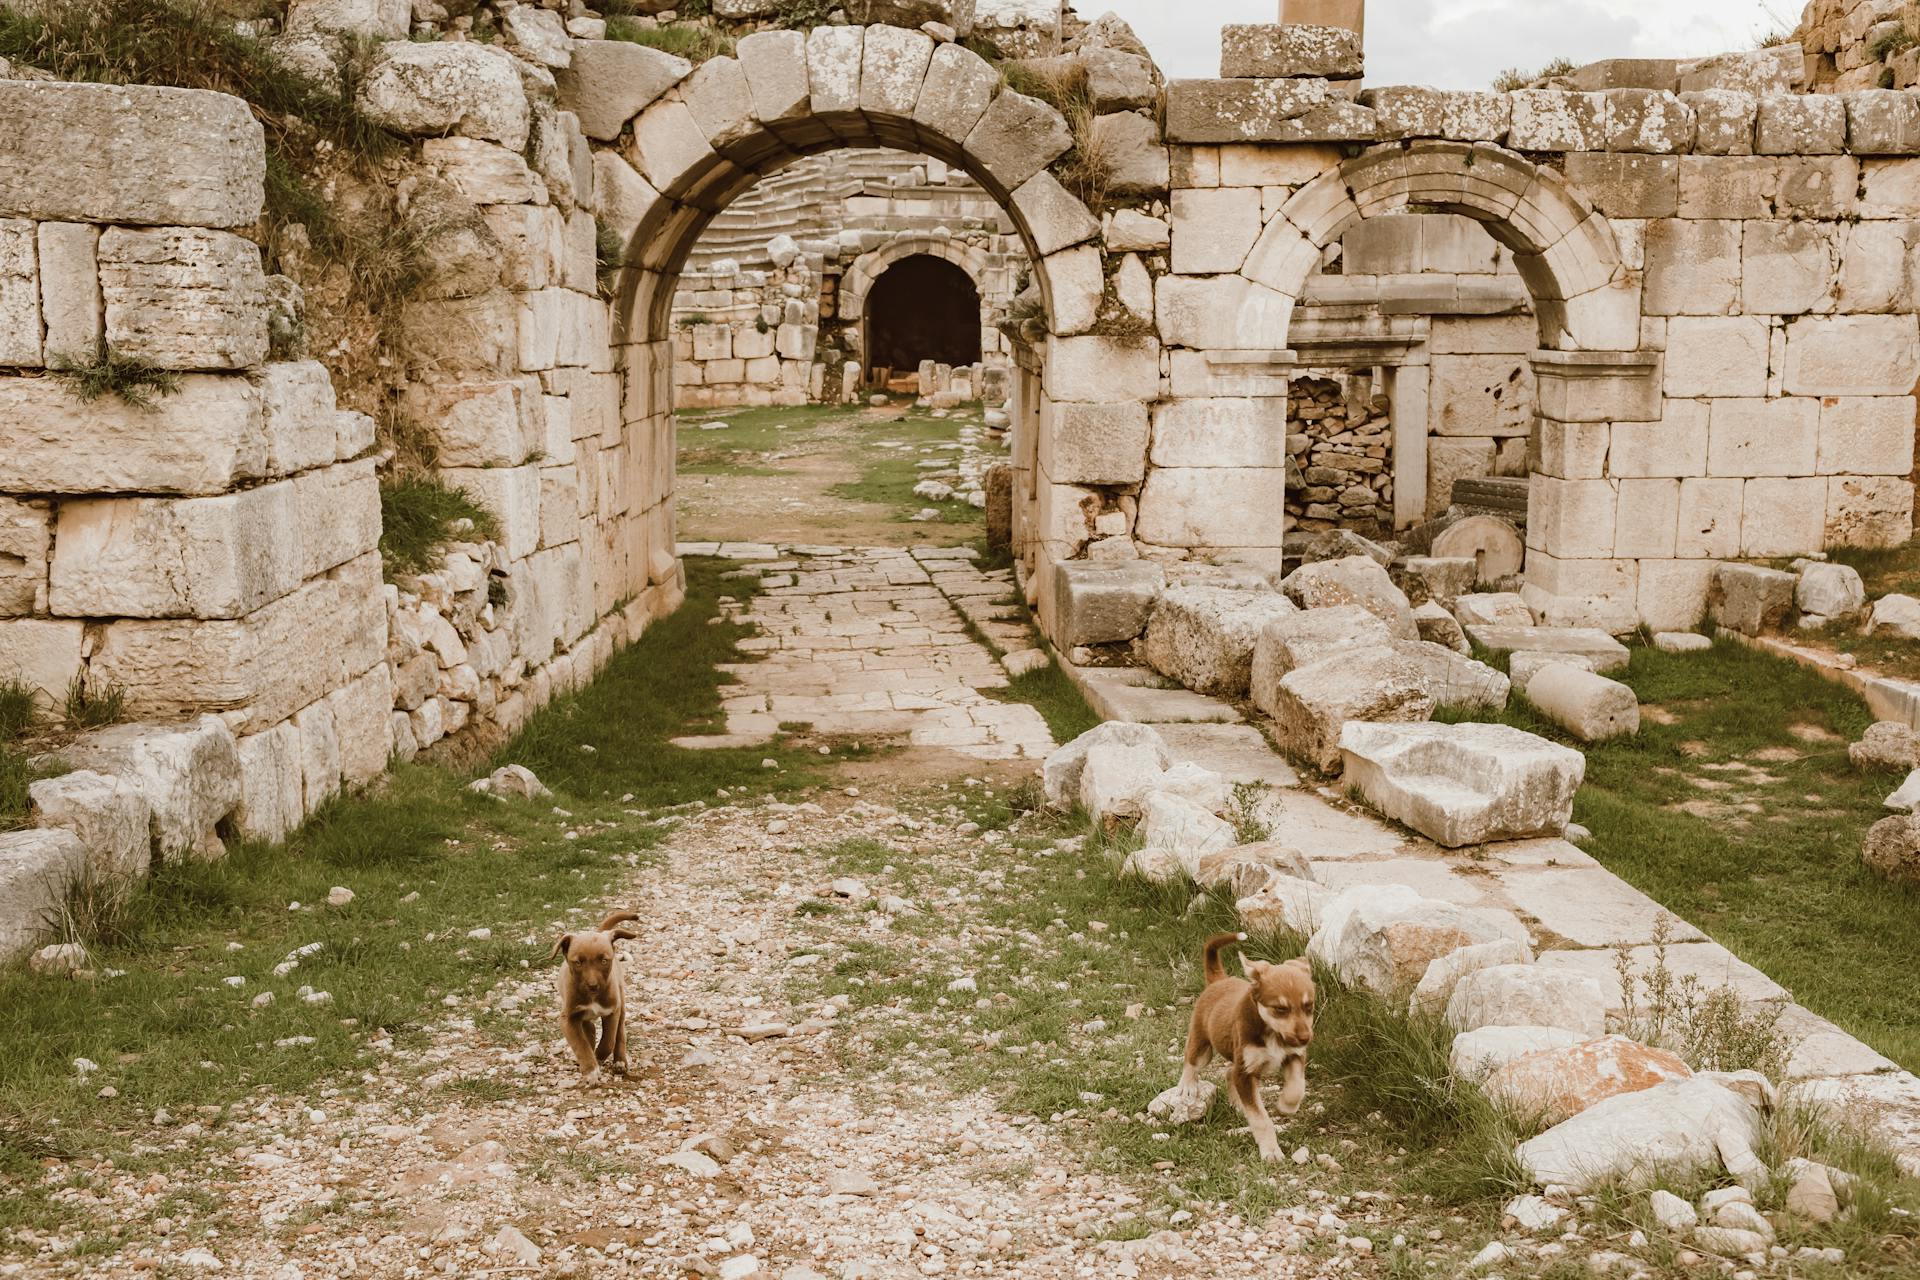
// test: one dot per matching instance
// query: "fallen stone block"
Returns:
(1197, 783)
(432, 89)
(1355, 580)
(1287, 904)
(1301, 639)
(1558, 1084)
(1493, 609)
(1528, 995)
(1437, 626)
(37, 866)
(1384, 937)
(1606, 653)
(1178, 833)
(1246, 868)
(1115, 780)
(1895, 614)
(1464, 784)
(1893, 846)
(1441, 580)
(1678, 1129)
(1478, 1053)
(1339, 544)
(1887, 744)
(1314, 703)
(1204, 637)
(1590, 707)
(1435, 988)
(1101, 603)
(1454, 680)
(1832, 591)
(1681, 642)
(189, 775)
(1523, 667)
(111, 817)
(1060, 776)
(1749, 599)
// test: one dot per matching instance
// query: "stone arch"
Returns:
(869, 267)
(1584, 298)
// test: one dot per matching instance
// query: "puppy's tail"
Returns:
(1215, 971)
(618, 917)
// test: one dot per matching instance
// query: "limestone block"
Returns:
(1211, 507)
(1527, 995)
(188, 774)
(184, 298)
(111, 817)
(1137, 163)
(1296, 640)
(1767, 187)
(129, 154)
(1693, 267)
(487, 422)
(1201, 112)
(1490, 395)
(218, 557)
(1723, 121)
(1853, 356)
(1680, 1129)
(69, 284)
(298, 415)
(1385, 937)
(264, 666)
(1214, 229)
(271, 803)
(893, 67)
(1212, 313)
(1882, 122)
(1492, 609)
(1450, 678)
(1118, 80)
(1777, 69)
(26, 535)
(468, 88)
(1572, 519)
(1062, 772)
(1831, 591)
(1093, 443)
(1571, 450)
(1627, 186)
(43, 654)
(37, 866)
(1204, 637)
(380, 19)
(1647, 121)
(1477, 1054)
(1801, 125)
(1750, 599)
(1599, 648)
(1053, 218)
(1439, 580)
(1353, 580)
(1268, 51)
(1590, 707)
(1451, 459)
(1098, 603)
(21, 330)
(833, 73)
(1763, 437)
(1717, 356)
(1458, 115)
(1710, 512)
(1557, 120)
(1312, 704)
(1790, 268)
(528, 247)
(1077, 287)
(363, 724)
(775, 64)
(1675, 446)
(484, 172)
(1463, 784)
(337, 515)
(1131, 230)
(1784, 517)
(1098, 370)
(959, 86)
(1561, 1083)
(1672, 594)
(1647, 520)
(1017, 137)
(1869, 511)
(1444, 972)
(319, 755)
(1220, 432)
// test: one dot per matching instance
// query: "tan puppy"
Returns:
(1261, 1025)
(593, 986)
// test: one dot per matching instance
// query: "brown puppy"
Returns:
(1261, 1025)
(593, 987)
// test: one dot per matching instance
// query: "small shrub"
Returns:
(132, 381)
(1514, 78)
(803, 15)
(1086, 170)
(695, 44)
(1249, 825)
(90, 705)
(608, 255)
(417, 517)
(1711, 1028)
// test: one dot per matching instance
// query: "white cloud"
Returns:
(1463, 44)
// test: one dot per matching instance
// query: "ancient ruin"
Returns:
(1330, 423)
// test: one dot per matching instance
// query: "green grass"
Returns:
(1884, 570)
(888, 475)
(168, 1033)
(1055, 697)
(696, 44)
(18, 714)
(417, 513)
(91, 375)
(1781, 884)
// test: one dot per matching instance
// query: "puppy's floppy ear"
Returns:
(560, 947)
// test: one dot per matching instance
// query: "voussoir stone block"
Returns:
(1464, 784)
(893, 67)
(1054, 218)
(184, 298)
(959, 87)
(1016, 137)
(129, 154)
(1204, 637)
(1104, 603)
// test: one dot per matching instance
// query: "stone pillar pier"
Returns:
(1408, 389)
(1351, 14)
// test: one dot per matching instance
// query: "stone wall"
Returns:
(1339, 454)
(1860, 44)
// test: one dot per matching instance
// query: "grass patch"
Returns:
(695, 44)
(1519, 78)
(1057, 699)
(1086, 170)
(91, 705)
(419, 515)
(1884, 570)
(169, 1033)
(133, 382)
(1744, 816)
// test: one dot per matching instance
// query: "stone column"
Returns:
(1408, 391)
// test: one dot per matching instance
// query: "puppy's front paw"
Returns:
(594, 1078)
(1270, 1155)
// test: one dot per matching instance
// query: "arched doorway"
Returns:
(923, 308)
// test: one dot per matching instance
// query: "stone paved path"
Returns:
(884, 642)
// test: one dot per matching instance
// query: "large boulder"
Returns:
(1286, 904)
(37, 866)
(1590, 707)
(1116, 779)
(1435, 988)
(1831, 591)
(1528, 995)
(1301, 639)
(1060, 776)
(1178, 834)
(1357, 580)
(1558, 1084)
(1247, 868)
(1464, 784)
(189, 775)
(1454, 680)
(1896, 615)
(1479, 1053)
(1750, 599)
(1204, 637)
(1676, 1130)
(1102, 602)
(1893, 848)
(443, 87)
(1888, 745)
(1384, 937)
(1313, 704)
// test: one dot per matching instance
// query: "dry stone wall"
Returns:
(1860, 44)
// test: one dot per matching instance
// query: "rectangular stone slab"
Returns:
(1607, 653)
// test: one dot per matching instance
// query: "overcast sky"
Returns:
(1463, 44)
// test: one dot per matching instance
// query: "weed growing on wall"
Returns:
(420, 514)
(133, 382)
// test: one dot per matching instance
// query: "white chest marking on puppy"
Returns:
(1265, 1059)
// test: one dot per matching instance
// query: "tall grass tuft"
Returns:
(419, 514)
(133, 382)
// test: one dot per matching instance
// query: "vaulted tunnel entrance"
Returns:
(922, 308)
